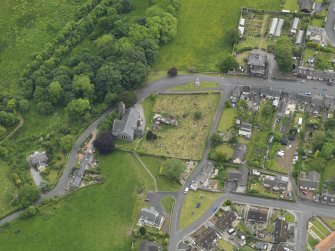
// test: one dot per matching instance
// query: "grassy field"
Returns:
(312, 242)
(187, 139)
(25, 30)
(227, 119)
(102, 215)
(291, 5)
(200, 40)
(6, 190)
(191, 87)
(189, 212)
(275, 166)
(163, 183)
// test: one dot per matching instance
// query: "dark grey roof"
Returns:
(240, 175)
(327, 198)
(206, 241)
(240, 151)
(80, 172)
(150, 246)
(39, 158)
(277, 181)
(280, 231)
(225, 220)
(128, 123)
(313, 176)
(256, 89)
(151, 215)
(259, 215)
(306, 5)
(257, 59)
(237, 92)
(246, 127)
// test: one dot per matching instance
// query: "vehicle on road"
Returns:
(302, 81)
(308, 93)
(214, 209)
(330, 83)
(186, 190)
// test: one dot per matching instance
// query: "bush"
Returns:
(197, 115)
(104, 142)
(29, 212)
(249, 48)
(172, 72)
(151, 136)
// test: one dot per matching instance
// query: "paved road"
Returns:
(225, 84)
(331, 23)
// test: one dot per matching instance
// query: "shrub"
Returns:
(197, 115)
(29, 212)
(172, 72)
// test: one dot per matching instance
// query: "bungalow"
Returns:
(239, 154)
(129, 124)
(309, 181)
(39, 160)
(245, 130)
(150, 217)
(327, 198)
(259, 215)
(281, 231)
(306, 6)
(276, 183)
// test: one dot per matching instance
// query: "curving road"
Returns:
(225, 85)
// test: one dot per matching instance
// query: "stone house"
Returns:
(151, 217)
(39, 160)
(309, 181)
(239, 154)
(257, 65)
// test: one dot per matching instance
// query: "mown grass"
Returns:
(167, 202)
(329, 171)
(291, 5)
(225, 149)
(163, 183)
(187, 139)
(202, 25)
(289, 217)
(93, 218)
(225, 245)
(330, 222)
(189, 212)
(191, 87)
(227, 119)
(320, 226)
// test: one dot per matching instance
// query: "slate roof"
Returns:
(225, 220)
(240, 151)
(306, 5)
(311, 180)
(246, 127)
(206, 241)
(257, 59)
(150, 246)
(151, 215)
(278, 247)
(258, 214)
(39, 159)
(128, 123)
(277, 181)
(281, 231)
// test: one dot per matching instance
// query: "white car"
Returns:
(308, 93)
(186, 190)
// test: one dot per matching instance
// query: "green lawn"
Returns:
(6, 190)
(227, 119)
(257, 188)
(102, 215)
(330, 222)
(317, 22)
(291, 5)
(317, 232)
(201, 28)
(289, 217)
(329, 171)
(316, 222)
(275, 166)
(225, 245)
(167, 203)
(191, 87)
(189, 212)
(163, 183)
(226, 149)
(312, 242)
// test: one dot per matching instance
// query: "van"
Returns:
(186, 190)
(230, 231)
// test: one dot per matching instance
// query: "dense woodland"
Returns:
(85, 82)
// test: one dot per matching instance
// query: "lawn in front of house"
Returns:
(191, 87)
(187, 139)
(189, 211)
(101, 214)
(227, 119)
(200, 40)
(289, 217)
(291, 5)
(154, 164)
(226, 149)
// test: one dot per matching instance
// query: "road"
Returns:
(331, 23)
(225, 85)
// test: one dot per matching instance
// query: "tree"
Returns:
(142, 231)
(232, 36)
(55, 92)
(78, 107)
(327, 150)
(318, 140)
(7, 119)
(151, 136)
(128, 98)
(322, 63)
(168, 27)
(104, 142)
(173, 168)
(107, 78)
(216, 139)
(228, 63)
(197, 115)
(29, 212)
(227, 104)
(66, 143)
(284, 53)
(23, 105)
(3, 132)
(26, 196)
(45, 108)
(172, 72)
(82, 86)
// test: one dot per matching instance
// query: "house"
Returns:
(259, 215)
(326, 244)
(276, 183)
(317, 35)
(239, 154)
(306, 6)
(240, 176)
(79, 173)
(316, 106)
(309, 181)
(150, 246)
(129, 124)
(150, 217)
(327, 198)
(39, 160)
(207, 241)
(245, 130)
(225, 220)
(281, 231)
(257, 64)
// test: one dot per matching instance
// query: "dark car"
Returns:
(330, 83)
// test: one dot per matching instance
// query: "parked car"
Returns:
(308, 93)
(330, 83)
(186, 190)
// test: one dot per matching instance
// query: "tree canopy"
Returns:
(284, 53)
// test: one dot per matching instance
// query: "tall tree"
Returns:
(284, 54)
